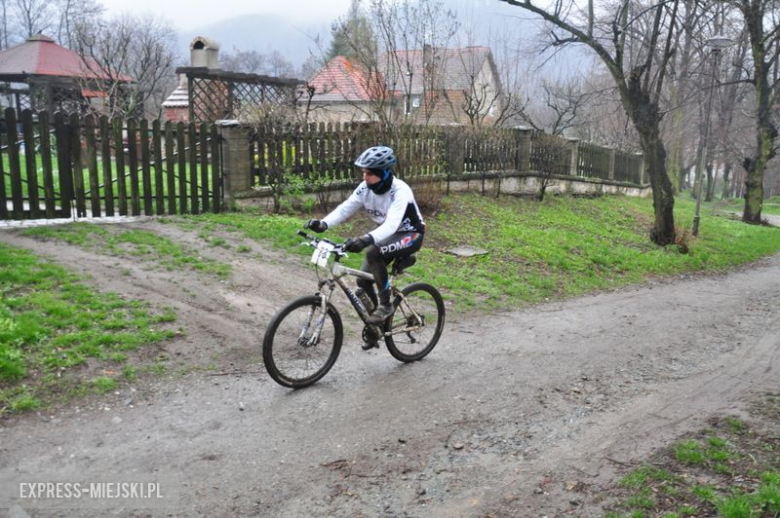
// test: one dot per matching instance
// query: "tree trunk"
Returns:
(754, 189)
(755, 167)
(710, 192)
(766, 132)
(676, 166)
(663, 194)
(726, 180)
(646, 118)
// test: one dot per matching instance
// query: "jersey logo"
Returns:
(400, 245)
(375, 213)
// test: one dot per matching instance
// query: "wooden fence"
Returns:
(75, 166)
(92, 167)
(323, 153)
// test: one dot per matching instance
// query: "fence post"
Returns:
(454, 152)
(612, 156)
(574, 164)
(523, 154)
(236, 164)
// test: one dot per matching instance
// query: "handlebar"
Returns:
(338, 248)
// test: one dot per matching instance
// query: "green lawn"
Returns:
(113, 187)
(51, 323)
(560, 248)
(770, 205)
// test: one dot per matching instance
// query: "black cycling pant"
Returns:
(379, 255)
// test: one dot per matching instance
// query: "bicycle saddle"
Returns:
(402, 263)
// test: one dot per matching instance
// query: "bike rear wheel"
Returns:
(291, 356)
(417, 323)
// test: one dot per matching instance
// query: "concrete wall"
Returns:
(505, 183)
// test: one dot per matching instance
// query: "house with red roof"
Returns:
(429, 85)
(345, 91)
(445, 85)
(42, 75)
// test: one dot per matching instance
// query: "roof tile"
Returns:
(40, 56)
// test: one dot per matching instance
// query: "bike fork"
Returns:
(320, 323)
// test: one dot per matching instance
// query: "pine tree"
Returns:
(352, 36)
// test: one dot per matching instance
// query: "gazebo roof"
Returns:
(40, 56)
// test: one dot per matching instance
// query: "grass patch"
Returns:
(689, 452)
(51, 323)
(104, 384)
(737, 205)
(723, 471)
(563, 247)
(149, 246)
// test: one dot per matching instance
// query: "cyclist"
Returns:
(390, 203)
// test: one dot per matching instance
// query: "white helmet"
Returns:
(377, 157)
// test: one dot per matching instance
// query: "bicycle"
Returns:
(303, 340)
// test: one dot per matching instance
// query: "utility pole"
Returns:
(716, 44)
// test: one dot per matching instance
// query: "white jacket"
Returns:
(395, 211)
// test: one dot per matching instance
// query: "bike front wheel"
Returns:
(297, 350)
(417, 323)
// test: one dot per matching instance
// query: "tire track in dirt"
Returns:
(506, 404)
(217, 315)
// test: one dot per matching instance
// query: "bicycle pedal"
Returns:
(368, 346)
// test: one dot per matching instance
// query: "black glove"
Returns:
(356, 244)
(316, 225)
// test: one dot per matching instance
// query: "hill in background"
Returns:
(484, 19)
(262, 33)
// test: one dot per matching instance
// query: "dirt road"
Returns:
(512, 414)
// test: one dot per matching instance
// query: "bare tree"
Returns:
(680, 94)
(731, 95)
(247, 61)
(635, 42)
(481, 98)
(601, 118)
(33, 16)
(130, 47)
(4, 13)
(414, 38)
(762, 22)
(75, 13)
(513, 72)
(407, 51)
(310, 67)
(550, 155)
(279, 66)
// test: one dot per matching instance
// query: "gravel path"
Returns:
(512, 414)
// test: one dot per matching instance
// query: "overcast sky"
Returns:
(191, 14)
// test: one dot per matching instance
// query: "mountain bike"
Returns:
(303, 340)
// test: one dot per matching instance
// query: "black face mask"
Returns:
(384, 184)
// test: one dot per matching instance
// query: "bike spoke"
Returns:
(294, 355)
(410, 327)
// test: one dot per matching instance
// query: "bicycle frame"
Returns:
(336, 272)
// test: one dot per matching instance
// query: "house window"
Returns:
(411, 102)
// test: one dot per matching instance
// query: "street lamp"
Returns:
(716, 44)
